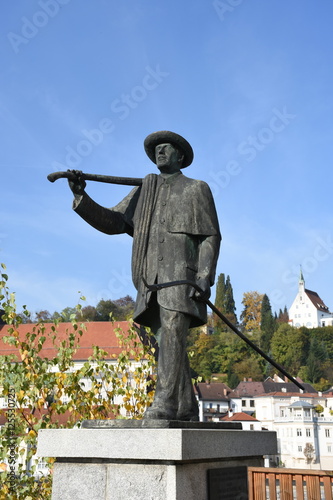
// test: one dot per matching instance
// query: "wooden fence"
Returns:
(289, 484)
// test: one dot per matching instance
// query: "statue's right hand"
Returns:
(77, 184)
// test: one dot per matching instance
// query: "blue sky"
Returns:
(248, 83)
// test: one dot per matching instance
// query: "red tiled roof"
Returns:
(241, 416)
(98, 333)
(316, 301)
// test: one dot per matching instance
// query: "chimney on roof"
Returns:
(230, 413)
(286, 380)
(250, 379)
(244, 380)
(225, 391)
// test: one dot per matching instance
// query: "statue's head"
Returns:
(168, 149)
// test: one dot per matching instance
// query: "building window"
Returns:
(299, 447)
(3, 403)
(42, 464)
(308, 432)
(327, 433)
(243, 402)
(251, 427)
(329, 448)
(299, 432)
(252, 403)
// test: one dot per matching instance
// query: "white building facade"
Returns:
(304, 427)
(308, 309)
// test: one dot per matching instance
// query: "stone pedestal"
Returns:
(146, 464)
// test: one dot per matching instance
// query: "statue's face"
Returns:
(168, 158)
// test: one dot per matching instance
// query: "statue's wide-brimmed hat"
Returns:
(166, 137)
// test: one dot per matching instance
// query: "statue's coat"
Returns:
(183, 242)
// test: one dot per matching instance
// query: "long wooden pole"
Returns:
(127, 181)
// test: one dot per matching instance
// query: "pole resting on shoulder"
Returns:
(110, 179)
(158, 286)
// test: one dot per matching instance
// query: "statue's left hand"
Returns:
(204, 284)
(78, 184)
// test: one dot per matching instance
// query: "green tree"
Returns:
(219, 300)
(88, 313)
(267, 324)
(224, 302)
(125, 307)
(68, 314)
(43, 316)
(232, 380)
(230, 306)
(315, 363)
(290, 347)
(248, 367)
(106, 310)
(319, 409)
(325, 335)
(283, 316)
(202, 359)
(97, 390)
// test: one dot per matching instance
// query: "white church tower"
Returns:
(308, 309)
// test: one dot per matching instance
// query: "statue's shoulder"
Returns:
(149, 178)
(195, 183)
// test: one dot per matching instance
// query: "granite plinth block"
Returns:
(146, 464)
(157, 424)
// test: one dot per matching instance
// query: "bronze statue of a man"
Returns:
(176, 236)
